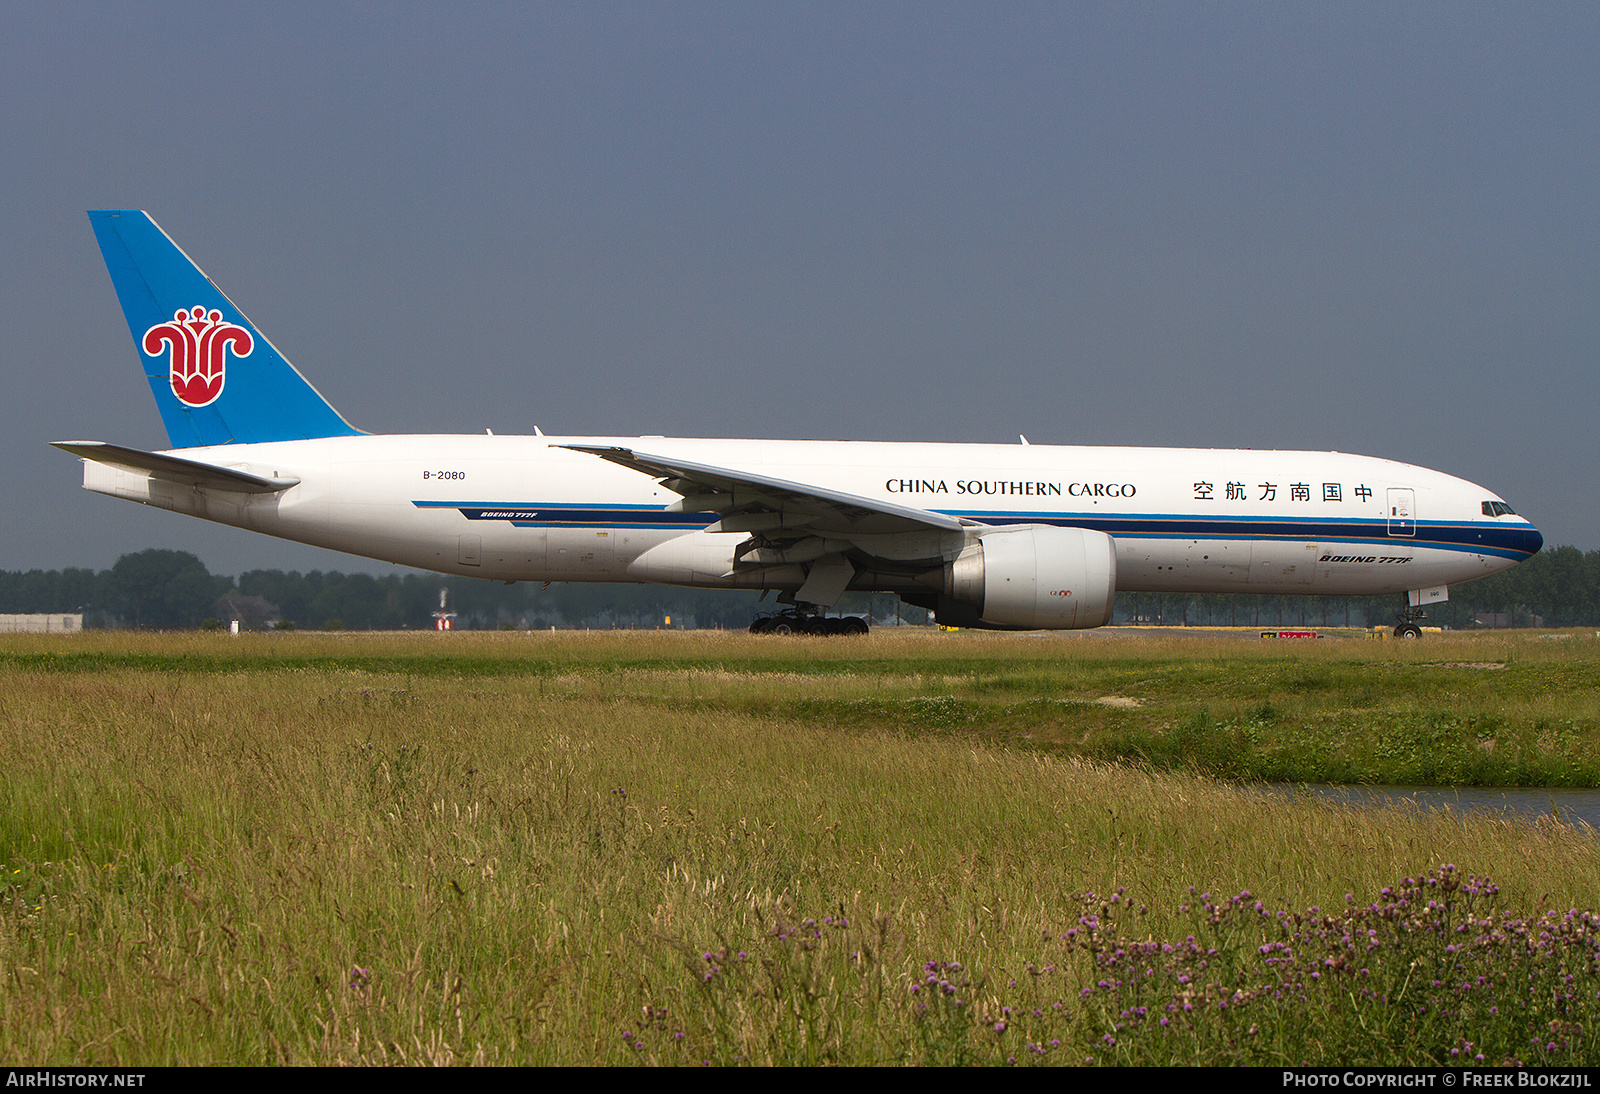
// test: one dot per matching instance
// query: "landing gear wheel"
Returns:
(1408, 617)
(794, 622)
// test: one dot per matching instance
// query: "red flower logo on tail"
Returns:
(199, 341)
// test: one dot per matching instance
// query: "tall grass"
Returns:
(560, 851)
(1483, 710)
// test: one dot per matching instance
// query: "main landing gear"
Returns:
(799, 622)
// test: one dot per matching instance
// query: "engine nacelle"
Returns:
(1032, 577)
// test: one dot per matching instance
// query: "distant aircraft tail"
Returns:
(216, 378)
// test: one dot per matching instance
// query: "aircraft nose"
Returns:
(1532, 540)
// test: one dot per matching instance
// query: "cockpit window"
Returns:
(1497, 509)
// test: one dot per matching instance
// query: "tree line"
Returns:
(168, 590)
(1558, 587)
(158, 589)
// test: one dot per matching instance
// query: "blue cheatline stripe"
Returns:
(1517, 541)
(1486, 537)
(533, 515)
(548, 505)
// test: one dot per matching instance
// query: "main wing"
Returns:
(830, 532)
(732, 493)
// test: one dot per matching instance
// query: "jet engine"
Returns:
(1031, 577)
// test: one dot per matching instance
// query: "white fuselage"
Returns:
(526, 509)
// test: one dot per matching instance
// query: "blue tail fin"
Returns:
(216, 379)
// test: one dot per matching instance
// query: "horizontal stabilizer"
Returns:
(176, 468)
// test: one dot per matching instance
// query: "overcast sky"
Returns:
(1370, 228)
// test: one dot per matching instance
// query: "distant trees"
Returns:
(154, 588)
(173, 589)
(159, 589)
(163, 590)
(1560, 586)
(40, 591)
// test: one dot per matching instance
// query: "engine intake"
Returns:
(1031, 577)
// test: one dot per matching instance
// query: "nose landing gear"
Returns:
(1408, 617)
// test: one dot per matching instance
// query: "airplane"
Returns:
(995, 536)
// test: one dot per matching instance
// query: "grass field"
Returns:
(660, 847)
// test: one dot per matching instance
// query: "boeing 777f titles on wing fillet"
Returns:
(986, 535)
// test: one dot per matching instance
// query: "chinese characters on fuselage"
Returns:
(1298, 491)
